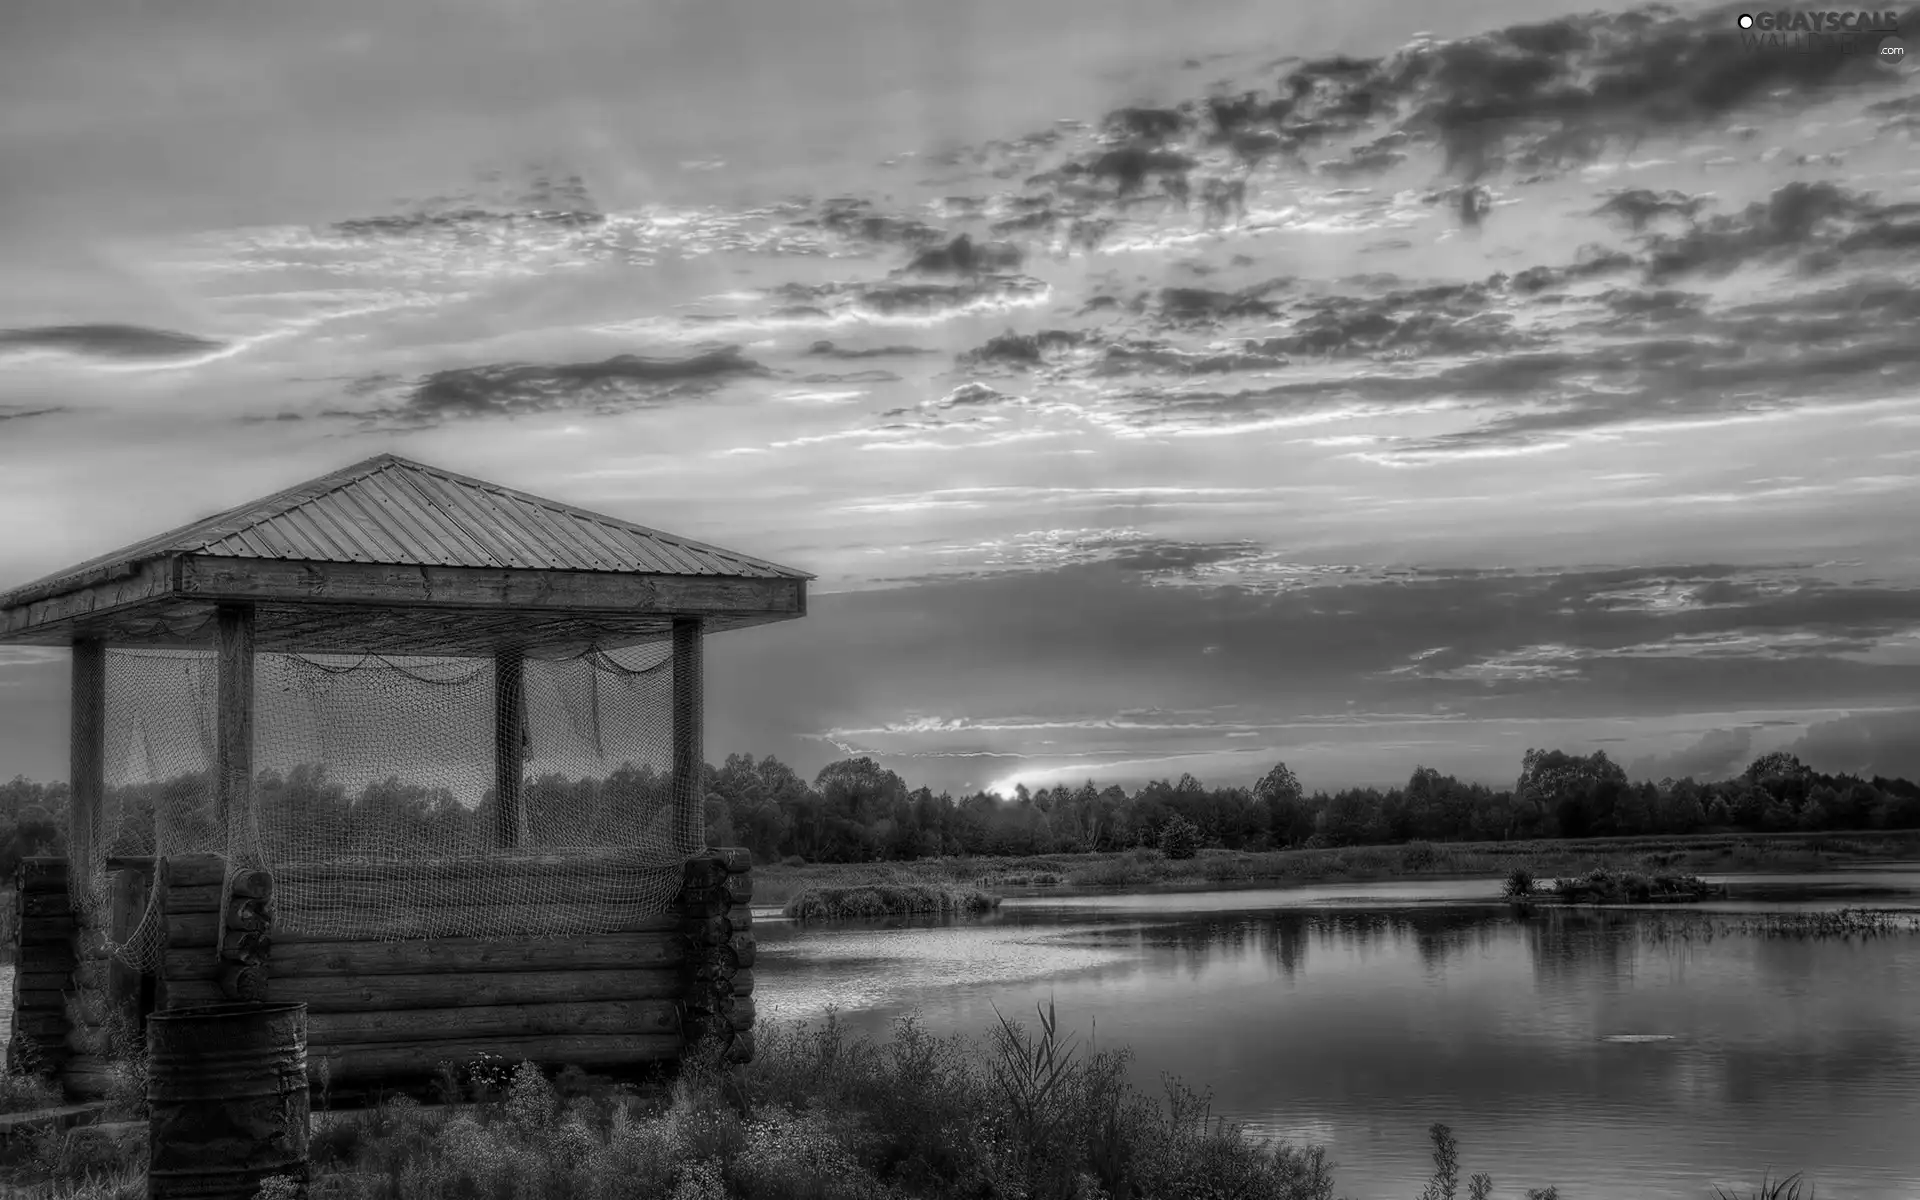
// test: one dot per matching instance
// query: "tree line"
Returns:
(855, 810)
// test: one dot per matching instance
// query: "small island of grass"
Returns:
(1604, 886)
(885, 893)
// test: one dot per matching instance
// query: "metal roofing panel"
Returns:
(389, 509)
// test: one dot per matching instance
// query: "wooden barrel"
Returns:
(227, 1100)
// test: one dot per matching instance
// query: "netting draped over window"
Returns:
(376, 790)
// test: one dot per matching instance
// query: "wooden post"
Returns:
(509, 743)
(689, 703)
(233, 787)
(130, 890)
(87, 757)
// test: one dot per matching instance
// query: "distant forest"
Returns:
(858, 811)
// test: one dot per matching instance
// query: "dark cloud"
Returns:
(853, 217)
(109, 341)
(1718, 754)
(835, 350)
(1027, 349)
(1541, 96)
(1819, 220)
(563, 201)
(9, 412)
(893, 298)
(1875, 743)
(512, 389)
(1638, 207)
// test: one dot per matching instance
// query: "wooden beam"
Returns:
(87, 753)
(412, 1026)
(232, 579)
(458, 989)
(19, 620)
(233, 751)
(385, 1060)
(509, 746)
(689, 711)
(296, 956)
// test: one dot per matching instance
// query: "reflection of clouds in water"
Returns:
(809, 973)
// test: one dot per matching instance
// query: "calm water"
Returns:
(1570, 1048)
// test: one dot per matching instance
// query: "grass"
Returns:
(885, 891)
(779, 884)
(1603, 886)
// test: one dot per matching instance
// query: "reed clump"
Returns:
(886, 892)
(1604, 886)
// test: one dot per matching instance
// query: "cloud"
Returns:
(9, 412)
(1718, 754)
(1875, 743)
(513, 389)
(109, 342)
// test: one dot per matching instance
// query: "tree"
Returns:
(1289, 818)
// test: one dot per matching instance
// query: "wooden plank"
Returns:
(462, 989)
(209, 577)
(43, 1023)
(233, 724)
(189, 993)
(413, 922)
(491, 1020)
(295, 956)
(21, 622)
(205, 898)
(191, 874)
(490, 870)
(34, 957)
(192, 930)
(43, 873)
(43, 978)
(377, 1060)
(509, 746)
(47, 930)
(45, 904)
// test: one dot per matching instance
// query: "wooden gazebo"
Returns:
(392, 557)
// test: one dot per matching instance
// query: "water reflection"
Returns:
(1572, 1046)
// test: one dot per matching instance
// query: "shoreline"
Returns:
(1710, 856)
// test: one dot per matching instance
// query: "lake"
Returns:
(1573, 1048)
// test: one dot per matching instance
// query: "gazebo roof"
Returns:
(393, 556)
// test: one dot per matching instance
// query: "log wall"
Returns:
(390, 1012)
(62, 998)
(44, 965)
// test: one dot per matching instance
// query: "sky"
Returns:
(1554, 385)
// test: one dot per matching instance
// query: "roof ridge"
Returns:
(282, 502)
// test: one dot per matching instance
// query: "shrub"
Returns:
(1520, 883)
(1179, 839)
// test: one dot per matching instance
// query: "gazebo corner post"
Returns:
(233, 753)
(509, 745)
(689, 712)
(87, 757)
